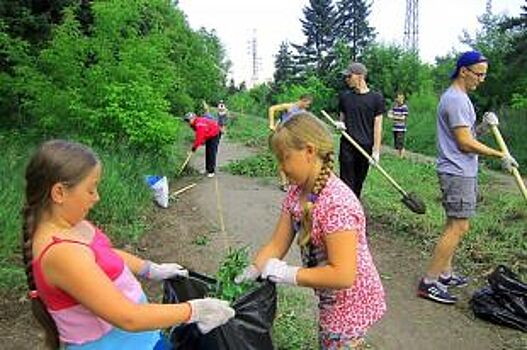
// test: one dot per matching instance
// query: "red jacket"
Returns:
(205, 129)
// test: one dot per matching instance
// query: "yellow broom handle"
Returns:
(503, 147)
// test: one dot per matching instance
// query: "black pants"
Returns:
(353, 166)
(211, 149)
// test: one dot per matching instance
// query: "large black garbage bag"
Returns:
(513, 291)
(503, 301)
(250, 329)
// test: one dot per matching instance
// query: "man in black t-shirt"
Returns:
(361, 116)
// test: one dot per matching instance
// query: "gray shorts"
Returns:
(459, 195)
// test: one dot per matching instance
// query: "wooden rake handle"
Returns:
(184, 165)
(504, 148)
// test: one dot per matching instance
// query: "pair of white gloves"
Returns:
(376, 155)
(207, 313)
(490, 119)
(276, 270)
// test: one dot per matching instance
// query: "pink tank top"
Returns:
(76, 324)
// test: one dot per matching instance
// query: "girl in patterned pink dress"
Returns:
(328, 222)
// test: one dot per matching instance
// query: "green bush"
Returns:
(421, 134)
(323, 96)
(262, 165)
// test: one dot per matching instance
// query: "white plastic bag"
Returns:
(159, 184)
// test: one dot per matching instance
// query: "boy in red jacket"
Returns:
(208, 133)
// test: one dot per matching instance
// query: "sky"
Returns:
(236, 22)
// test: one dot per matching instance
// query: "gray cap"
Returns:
(355, 68)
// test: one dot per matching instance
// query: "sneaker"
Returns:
(435, 291)
(210, 175)
(454, 280)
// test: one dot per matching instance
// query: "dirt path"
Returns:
(189, 232)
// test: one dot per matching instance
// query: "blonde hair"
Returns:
(299, 130)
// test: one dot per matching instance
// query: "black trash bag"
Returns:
(250, 329)
(514, 292)
(503, 301)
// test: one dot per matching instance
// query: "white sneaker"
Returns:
(210, 175)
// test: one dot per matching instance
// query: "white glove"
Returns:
(159, 272)
(508, 163)
(376, 155)
(278, 271)
(209, 313)
(489, 118)
(340, 125)
(249, 274)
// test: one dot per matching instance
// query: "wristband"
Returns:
(187, 319)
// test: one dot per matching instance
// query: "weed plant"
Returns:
(261, 165)
(231, 266)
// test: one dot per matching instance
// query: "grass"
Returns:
(294, 328)
(498, 231)
(261, 165)
(248, 130)
(123, 211)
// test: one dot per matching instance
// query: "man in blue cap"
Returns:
(457, 168)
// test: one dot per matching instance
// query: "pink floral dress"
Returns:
(345, 314)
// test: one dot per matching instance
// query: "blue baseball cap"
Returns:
(467, 59)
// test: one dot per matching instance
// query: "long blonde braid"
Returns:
(303, 128)
(307, 214)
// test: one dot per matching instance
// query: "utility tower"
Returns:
(411, 26)
(255, 60)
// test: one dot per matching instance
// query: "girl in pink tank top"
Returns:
(84, 291)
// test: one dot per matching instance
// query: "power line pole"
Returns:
(255, 60)
(411, 26)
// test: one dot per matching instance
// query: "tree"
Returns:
(393, 69)
(284, 67)
(516, 59)
(352, 25)
(33, 20)
(318, 25)
(495, 44)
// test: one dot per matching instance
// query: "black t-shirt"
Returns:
(359, 112)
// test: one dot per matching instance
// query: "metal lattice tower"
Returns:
(411, 26)
(255, 60)
(488, 7)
